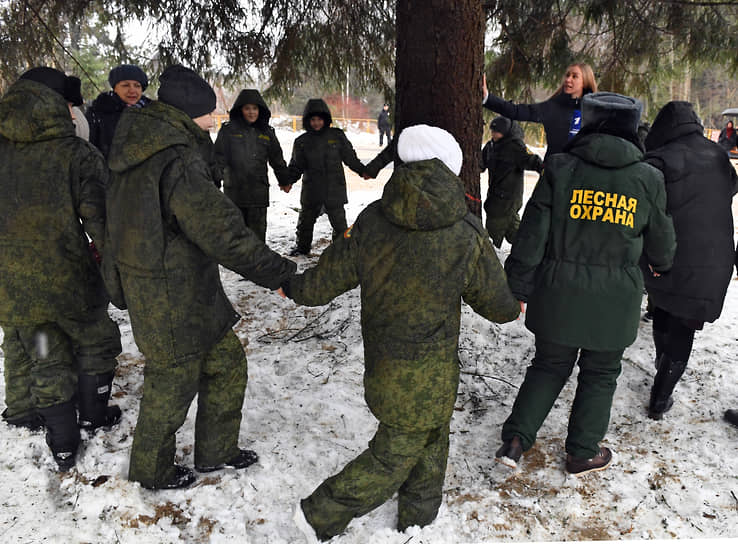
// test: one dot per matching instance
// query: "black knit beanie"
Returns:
(126, 72)
(500, 124)
(67, 86)
(186, 90)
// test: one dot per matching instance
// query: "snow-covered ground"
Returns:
(304, 414)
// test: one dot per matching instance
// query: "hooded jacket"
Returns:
(242, 151)
(555, 114)
(594, 211)
(700, 184)
(507, 159)
(50, 180)
(415, 253)
(319, 156)
(102, 117)
(168, 228)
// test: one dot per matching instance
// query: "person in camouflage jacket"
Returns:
(506, 158)
(318, 156)
(168, 228)
(244, 146)
(416, 253)
(595, 210)
(58, 338)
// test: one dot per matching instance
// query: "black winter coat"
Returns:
(242, 151)
(319, 156)
(555, 113)
(103, 116)
(700, 184)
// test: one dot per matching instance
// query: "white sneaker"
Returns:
(305, 528)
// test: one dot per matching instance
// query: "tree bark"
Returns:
(438, 74)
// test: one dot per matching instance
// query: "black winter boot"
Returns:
(62, 433)
(659, 341)
(667, 376)
(94, 392)
(31, 421)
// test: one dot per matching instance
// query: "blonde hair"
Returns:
(588, 79)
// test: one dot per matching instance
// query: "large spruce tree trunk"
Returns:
(439, 75)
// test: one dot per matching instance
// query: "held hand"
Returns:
(286, 188)
(280, 292)
(655, 274)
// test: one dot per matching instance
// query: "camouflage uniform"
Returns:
(242, 151)
(506, 160)
(318, 156)
(168, 228)
(415, 254)
(50, 284)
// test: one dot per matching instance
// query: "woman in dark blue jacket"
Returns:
(561, 114)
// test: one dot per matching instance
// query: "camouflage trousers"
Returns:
(219, 380)
(42, 361)
(413, 464)
(306, 223)
(256, 220)
(544, 380)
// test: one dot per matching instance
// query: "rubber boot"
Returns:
(667, 376)
(62, 433)
(93, 395)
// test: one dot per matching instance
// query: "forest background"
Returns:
(657, 51)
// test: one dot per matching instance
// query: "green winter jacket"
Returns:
(168, 228)
(318, 156)
(507, 160)
(595, 210)
(415, 253)
(50, 180)
(242, 151)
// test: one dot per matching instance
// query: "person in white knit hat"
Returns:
(415, 253)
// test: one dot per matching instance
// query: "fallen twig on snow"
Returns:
(477, 375)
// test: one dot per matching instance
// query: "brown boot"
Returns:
(510, 452)
(580, 465)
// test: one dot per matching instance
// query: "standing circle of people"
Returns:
(142, 222)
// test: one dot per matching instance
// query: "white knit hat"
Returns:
(423, 142)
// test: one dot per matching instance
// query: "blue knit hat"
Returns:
(126, 72)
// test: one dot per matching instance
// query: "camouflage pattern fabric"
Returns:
(243, 150)
(52, 185)
(168, 228)
(544, 380)
(53, 191)
(413, 464)
(87, 344)
(416, 253)
(219, 379)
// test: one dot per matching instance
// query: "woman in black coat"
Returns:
(561, 114)
(128, 82)
(700, 184)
